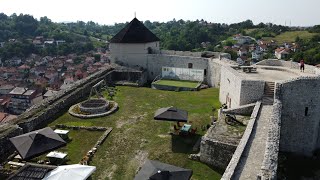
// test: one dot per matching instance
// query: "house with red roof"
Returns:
(281, 53)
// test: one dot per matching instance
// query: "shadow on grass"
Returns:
(184, 144)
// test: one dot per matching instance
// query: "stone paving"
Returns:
(275, 75)
(251, 159)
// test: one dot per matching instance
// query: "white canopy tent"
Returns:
(74, 172)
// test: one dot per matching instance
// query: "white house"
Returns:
(256, 55)
(281, 53)
(242, 52)
(132, 44)
(15, 61)
(58, 42)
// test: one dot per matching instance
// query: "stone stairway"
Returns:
(268, 93)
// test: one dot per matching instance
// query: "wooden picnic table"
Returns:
(248, 68)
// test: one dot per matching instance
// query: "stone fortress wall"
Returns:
(136, 56)
(212, 66)
(300, 123)
(42, 114)
(294, 124)
(293, 113)
(270, 160)
(236, 90)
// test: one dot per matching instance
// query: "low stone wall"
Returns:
(234, 162)
(130, 75)
(113, 109)
(181, 53)
(241, 110)
(288, 64)
(270, 160)
(216, 153)
(173, 88)
(88, 157)
(6, 147)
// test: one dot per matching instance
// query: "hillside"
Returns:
(290, 36)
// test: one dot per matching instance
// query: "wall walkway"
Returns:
(252, 158)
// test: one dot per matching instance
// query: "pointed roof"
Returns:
(37, 142)
(171, 114)
(155, 170)
(134, 32)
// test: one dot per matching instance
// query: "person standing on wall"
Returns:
(301, 65)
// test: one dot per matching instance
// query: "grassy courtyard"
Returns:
(136, 136)
(188, 84)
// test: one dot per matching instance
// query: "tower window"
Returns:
(306, 111)
(190, 65)
(205, 72)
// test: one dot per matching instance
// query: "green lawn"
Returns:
(137, 136)
(188, 84)
(290, 36)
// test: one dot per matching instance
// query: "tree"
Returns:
(232, 53)
(97, 57)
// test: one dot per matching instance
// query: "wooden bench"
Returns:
(248, 69)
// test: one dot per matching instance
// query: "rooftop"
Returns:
(29, 92)
(134, 32)
(32, 171)
(18, 91)
(6, 86)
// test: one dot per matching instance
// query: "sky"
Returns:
(284, 12)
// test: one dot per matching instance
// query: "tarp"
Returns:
(171, 114)
(37, 142)
(70, 172)
(155, 170)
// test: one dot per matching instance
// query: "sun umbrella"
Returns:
(171, 114)
(155, 170)
(37, 142)
(74, 172)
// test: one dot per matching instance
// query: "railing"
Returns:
(199, 83)
(157, 78)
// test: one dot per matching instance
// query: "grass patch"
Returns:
(136, 136)
(81, 142)
(188, 84)
(290, 36)
(79, 147)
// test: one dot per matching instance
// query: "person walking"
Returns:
(301, 65)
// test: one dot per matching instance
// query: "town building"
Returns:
(22, 99)
(6, 89)
(281, 53)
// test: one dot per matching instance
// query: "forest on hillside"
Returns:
(174, 35)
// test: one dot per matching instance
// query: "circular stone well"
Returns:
(94, 106)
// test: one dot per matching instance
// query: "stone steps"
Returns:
(268, 93)
(267, 100)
